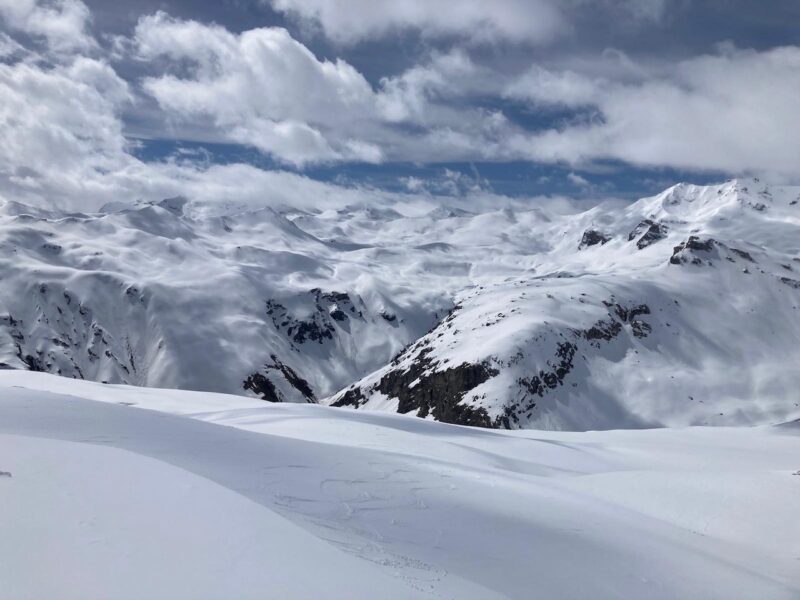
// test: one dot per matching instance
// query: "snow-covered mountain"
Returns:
(675, 310)
(682, 309)
(156, 295)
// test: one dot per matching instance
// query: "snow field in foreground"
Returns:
(105, 500)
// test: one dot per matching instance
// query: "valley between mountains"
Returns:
(675, 310)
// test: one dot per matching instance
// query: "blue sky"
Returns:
(609, 98)
(511, 178)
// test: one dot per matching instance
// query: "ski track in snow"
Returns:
(401, 505)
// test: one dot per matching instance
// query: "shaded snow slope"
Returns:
(285, 500)
(156, 296)
(676, 310)
(86, 520)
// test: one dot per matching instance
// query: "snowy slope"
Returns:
(558, 318)
(230, 497)
(155, 297)
(682, 310)
(90, 521)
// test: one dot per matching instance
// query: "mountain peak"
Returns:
(482, 315)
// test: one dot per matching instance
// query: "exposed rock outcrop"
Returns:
(592, 237)
(647, 233)
(694, 250)
(423, 388)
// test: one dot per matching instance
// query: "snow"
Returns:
(715, 340)
(200, 495)
(199, 296)
(87, 520)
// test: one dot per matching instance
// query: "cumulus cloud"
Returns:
(447, 182)
(260, 88)
(61, 23)
(265, 89)
(543, 86)
(348, 21)
(63, 113)
(59, 125)
(64, 146)
(411, 95)
(64, 134)
(529, 22)
(734, 111)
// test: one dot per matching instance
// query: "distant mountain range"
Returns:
(680, 309)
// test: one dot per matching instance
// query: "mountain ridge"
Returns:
(497, 316)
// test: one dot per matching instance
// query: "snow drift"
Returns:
(233, 497)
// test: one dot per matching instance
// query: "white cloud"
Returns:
(265, 89)
(732, 112)
(543, 86)
(64, 146)
(474, 21)
(349, 21)
(260, 88)
(64, 142)
(59, 124)
(735, 112)
(447, 182)
(61, 119)
(410, 95)
(578, 181)
(62, 23)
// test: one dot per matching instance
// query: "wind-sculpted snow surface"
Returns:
(236, 498)
(675, 310)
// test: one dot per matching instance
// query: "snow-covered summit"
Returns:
(682, 309)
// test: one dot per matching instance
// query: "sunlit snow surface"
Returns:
(211, 496)
(179, 294)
